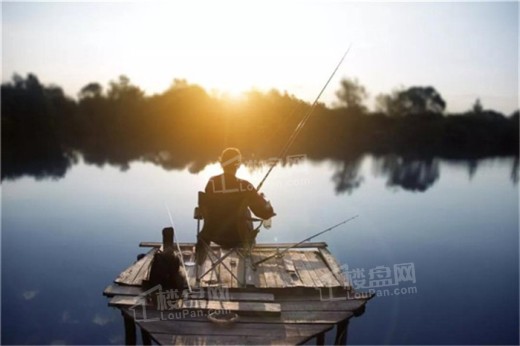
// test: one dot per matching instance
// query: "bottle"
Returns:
(268, 223)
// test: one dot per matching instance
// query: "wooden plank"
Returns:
(251, 296)
(257, 246)
(125, 301)
(234, 262)
(190, 270)
(241, 269)
(310, 265)
(129, 274)
(204, 329)
(323, 293)
(289, 317)
(288, 263)
(210, 278)
(144, 271)
(260, 308)
(169, 339)
(334, 267)
(118, 290)
(272, 273)
(339, 305)
(241, 307)
(327, 279)
(251, 276)
(259, 272)
(300, 267)
(290, 279)
(225, 269)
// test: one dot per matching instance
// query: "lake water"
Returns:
(455, 224)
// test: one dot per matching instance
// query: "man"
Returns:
(230, 160)
(237, 198)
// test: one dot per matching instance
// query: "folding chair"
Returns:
(228, 223)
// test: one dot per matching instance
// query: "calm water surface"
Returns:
(64, 241)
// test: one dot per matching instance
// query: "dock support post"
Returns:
(341, 334)
(147, 339)
(320, 339)
(130, 338)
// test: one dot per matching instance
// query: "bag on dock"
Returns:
(165, 270)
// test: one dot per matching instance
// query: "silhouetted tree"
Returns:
(185, 127)
(123, 90)
(352, 94)
(91, 90)
(477, 107)
(412, 102)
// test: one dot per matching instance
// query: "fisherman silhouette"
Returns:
(227, 204)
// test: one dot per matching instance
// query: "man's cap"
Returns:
(230, 156)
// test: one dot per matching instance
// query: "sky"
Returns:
(466, 50)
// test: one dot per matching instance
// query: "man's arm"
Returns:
(258, 204)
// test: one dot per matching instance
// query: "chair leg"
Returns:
(216, 262)
(212, 259)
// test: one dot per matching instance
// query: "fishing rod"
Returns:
(300, 125)
(178, 248)
(280, 254)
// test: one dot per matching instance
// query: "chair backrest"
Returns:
(225, 218)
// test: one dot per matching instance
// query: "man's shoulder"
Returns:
(218, 176)
(246, 184)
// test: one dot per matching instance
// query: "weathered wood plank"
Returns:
(266, 330)
(272, 273)
(330, 305)
(290, 279)
(119, 290)
(129, 274)
(225, 270)
(314, 260)
(144, 271)
(300, 267)
(189, 258)
(125, 301)
(234, 261)
(289, 317)
(334, 267)
(257, 246)
(259, 272)
(288, 263)
(323, 293)
(168, 339)
(311, 266)
(241, 307)
(211, 278)
(251, 276)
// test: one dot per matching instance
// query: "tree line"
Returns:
(44, 131)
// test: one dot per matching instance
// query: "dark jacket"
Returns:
(228, 183)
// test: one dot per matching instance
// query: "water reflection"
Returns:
(409, 173)
(346, 175)
(416, 174)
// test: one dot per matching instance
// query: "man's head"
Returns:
(230, 160)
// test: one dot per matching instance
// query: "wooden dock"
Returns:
(289, 299)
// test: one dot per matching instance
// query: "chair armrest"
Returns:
(197, 214)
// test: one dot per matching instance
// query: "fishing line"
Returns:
(280, 253)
